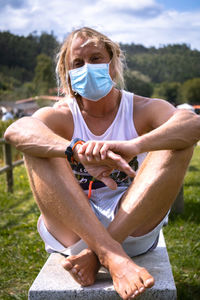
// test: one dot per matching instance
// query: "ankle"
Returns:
(105, 254)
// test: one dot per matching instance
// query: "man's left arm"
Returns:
(171, 129)
(166, 129)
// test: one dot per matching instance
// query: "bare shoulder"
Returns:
(150, 113)
(58, 118)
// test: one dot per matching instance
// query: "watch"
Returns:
(71, 147)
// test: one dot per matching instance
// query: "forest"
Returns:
(27, 69)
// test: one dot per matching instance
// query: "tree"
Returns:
(138, 83)
(191, 91)
(169, 91)
(44, 75)
(48, 44)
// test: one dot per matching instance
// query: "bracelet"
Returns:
(71, 147)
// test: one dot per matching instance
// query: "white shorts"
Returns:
(133, 246)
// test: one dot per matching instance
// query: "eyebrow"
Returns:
(92, 54)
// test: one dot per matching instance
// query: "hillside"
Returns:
(27, 67)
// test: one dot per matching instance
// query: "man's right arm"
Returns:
(46, 134)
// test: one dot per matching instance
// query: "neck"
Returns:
(105, 106)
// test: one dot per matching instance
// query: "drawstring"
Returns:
(90, 187)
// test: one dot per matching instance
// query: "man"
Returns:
(96, 132)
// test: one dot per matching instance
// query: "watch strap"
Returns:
(71, 147)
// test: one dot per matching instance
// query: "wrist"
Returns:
(143, 143)
(135, 146)
(75, 152)
(71, 151)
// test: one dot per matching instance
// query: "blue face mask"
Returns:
(92, 81)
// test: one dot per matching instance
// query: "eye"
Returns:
(95, 59)
(78, 64)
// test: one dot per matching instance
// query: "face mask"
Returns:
(92, 81)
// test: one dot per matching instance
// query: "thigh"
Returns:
(150, 196)
(45, 176)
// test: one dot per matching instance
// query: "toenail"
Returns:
(148, 281)
(74, 271)
(141, 289)
(136, 293)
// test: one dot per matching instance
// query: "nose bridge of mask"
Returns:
(87, 67)
(91, 81)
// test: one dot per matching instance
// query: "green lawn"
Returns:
(22, 252)
(183, 236)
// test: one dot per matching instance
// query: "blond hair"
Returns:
(92, 35)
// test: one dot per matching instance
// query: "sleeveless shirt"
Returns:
(122, 128)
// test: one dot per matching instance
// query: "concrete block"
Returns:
(54, 283)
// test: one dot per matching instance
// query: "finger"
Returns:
(103, 151)
(82, 148)
(89, 151)
(96, 151)
(107, 173)
(121, 164)
(109, 182)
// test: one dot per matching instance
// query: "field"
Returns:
(22, 252)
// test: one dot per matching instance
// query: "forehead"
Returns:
(82, 46)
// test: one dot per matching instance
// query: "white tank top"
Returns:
(122, 128)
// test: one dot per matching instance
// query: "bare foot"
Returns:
(129, 279)
(83, 267)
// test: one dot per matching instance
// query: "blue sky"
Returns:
(147, 22)
(181, 5)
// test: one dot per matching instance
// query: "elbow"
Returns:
(192, 121)
(10, 136)
(196, 128)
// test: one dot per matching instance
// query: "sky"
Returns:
(147, 22)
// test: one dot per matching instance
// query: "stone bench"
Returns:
(53, 282)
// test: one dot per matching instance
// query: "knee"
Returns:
(46, 168)
(185, 155)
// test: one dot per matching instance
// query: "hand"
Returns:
(126, 150)
(89, 155)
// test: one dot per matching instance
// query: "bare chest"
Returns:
(98, 125)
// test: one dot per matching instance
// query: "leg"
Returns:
(50, 179)
(128, 278)
(152, 193)
(64, 207)
(47, 183)
(147, 202)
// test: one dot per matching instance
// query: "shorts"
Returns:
(133, 246)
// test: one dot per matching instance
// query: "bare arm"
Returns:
(170, 129)
(43, 134)
(48, 133)
(163, 128)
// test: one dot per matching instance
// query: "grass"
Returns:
(22, 252)
(183, 236)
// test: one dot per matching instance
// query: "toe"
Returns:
(133, 292)
(67, 265)
(149, 282)
(146, 278)
(140, 286)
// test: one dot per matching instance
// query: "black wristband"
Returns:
(69, 151)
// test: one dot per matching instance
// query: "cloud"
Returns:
(145, 21)
(140, 9)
